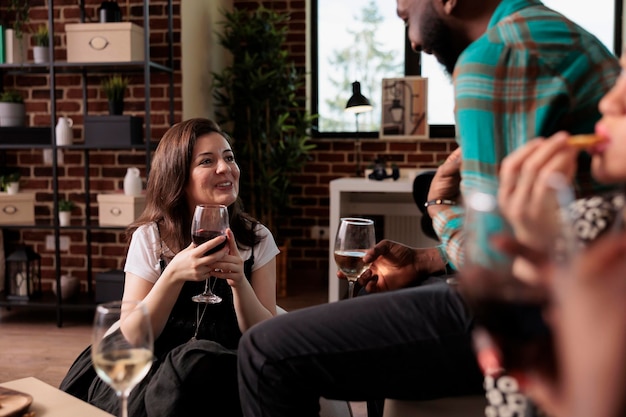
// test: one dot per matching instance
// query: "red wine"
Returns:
(519, 329)
(202, 236)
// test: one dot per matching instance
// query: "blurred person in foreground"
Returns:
(582, 302)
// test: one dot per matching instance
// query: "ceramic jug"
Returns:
(132, 182)
(64, 131)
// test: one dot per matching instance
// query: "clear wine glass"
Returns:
(508, 295)
(122, 360)
(209, 221)
(354, 237)
(547, 226)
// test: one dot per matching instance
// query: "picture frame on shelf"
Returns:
(404, 108)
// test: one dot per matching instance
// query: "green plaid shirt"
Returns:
(532, 73)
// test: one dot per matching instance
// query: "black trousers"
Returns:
(413, 343)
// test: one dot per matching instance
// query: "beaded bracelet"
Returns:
(440, 201)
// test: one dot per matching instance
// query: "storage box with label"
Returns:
(17, 209)
(118, 209)
(109, 285)
(113, 131)
(104, 42)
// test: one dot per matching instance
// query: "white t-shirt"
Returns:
(145, 247)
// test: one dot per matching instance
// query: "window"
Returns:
(604, 21)
(364, 40)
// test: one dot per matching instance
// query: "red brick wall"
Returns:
(106, 168)
(308, 258)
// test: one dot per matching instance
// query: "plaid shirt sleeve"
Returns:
(532, 74)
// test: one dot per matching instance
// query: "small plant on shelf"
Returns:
(41, 37)
(114, 87)
(66, 205)
(11, 96)
(20, 10)
(65, 212)
(9, 180)
(12, 109)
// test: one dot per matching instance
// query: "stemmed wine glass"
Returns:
(209, 221)
(507, 294)
(354, 237)
(122, 360)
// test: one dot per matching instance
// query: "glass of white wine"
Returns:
(122, 360)
(354, 237)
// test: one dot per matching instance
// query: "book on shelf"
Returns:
(1, 43)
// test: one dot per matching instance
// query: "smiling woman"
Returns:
(193, 164)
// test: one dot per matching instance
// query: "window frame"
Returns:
(412, 66)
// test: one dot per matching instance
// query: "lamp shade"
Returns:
(358, 103)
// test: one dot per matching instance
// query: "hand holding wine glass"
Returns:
(122, 360)
(209, 221)
(354, 237)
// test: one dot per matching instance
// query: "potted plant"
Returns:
(114, 89)
(258, 104)
(15, 41)
(41, 50)
(11, 182)
(12, 111)
(65, 211)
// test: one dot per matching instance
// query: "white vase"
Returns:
(69, 286)
(63, 131)
(13, 188)
(132, 182)
(12, 114)
(41, 54)
(64, 218)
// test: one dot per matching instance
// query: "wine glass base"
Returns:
(207, 298)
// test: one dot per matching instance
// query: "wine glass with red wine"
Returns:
(209, 221)
(506, 295)
(354, 237)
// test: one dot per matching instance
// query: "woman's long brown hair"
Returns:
(166, 201)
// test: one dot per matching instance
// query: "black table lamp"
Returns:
(358, 104)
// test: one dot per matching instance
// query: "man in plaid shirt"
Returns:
(519, 70)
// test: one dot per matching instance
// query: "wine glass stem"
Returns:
(350, 289)
(206, 286)
(124, 405)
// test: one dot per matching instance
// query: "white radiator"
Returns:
(407, 230)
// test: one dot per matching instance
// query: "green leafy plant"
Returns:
(11, 96)
(114, 87)
(66, 205)
(41, 37)
(9, 178)
(20, 10)
(258, 104)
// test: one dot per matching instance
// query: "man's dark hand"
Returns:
(395, 266)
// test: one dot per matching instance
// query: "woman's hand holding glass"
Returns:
(231, 266)
(535, 190)
(192, 263)
(208, 222)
